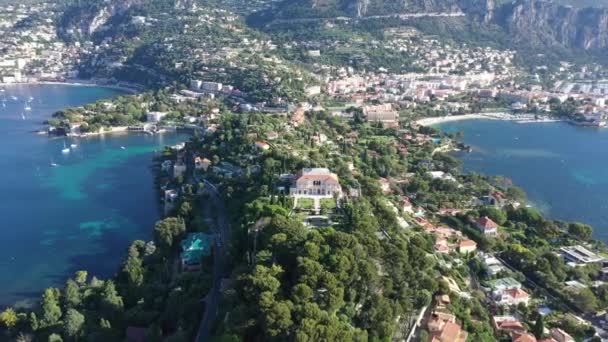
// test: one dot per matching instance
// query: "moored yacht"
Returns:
(65, 150)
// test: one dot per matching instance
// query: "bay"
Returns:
(562, 168)
(79, 215)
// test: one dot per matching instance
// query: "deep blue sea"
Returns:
(81, 214)
(562, 168)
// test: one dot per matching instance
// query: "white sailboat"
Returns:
(22, 116)
(65, 149)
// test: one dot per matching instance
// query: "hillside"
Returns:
(552, 24)
(583, 3)
(551, 27)
(160, 42)
(367, 8)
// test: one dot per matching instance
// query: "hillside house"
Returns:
(511, 296)
(492, 265)
(503, 284)
(383, 113)
(201, 163)
(523, 337)
(262, 145)
(579, 255)
(508, 324)
(315, 183)
(442, 327)
(467, 246)
(487, 226)
(155, 117)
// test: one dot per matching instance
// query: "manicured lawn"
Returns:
(328, 204)
(305, 203)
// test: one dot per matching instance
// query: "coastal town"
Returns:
(31, 48)
(445, 81)
(315, 201)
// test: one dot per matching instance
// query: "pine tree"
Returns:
(34, 324)
(51, 312)
(72, 294)
(73, 323)
(539, 327)
(110, 297)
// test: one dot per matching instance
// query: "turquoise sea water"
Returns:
(83, 213)
(563, 168)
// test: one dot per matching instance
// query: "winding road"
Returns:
(222, 230)
(370, 17)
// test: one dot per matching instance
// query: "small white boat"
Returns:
(123, 148)
(22, 116)
(73, 146)
(31, 98)
(65, 149)
(1, 90)
(27, 107)
(14, 98)
(54, 164)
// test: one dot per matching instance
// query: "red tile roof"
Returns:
(516, 293)
(467, 243)
(523, 338)
(451, 332)
(487, 223)
(511, 326)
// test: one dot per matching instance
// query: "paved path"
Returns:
(371, 17)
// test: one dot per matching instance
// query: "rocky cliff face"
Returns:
(480, 10)
(537, 22)
(554, 24)
(83, 19)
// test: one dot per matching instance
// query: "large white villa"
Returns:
(315, 183)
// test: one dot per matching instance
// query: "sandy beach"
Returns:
(520, 118)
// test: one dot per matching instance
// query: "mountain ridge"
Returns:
(581, 28)
(547, 23)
